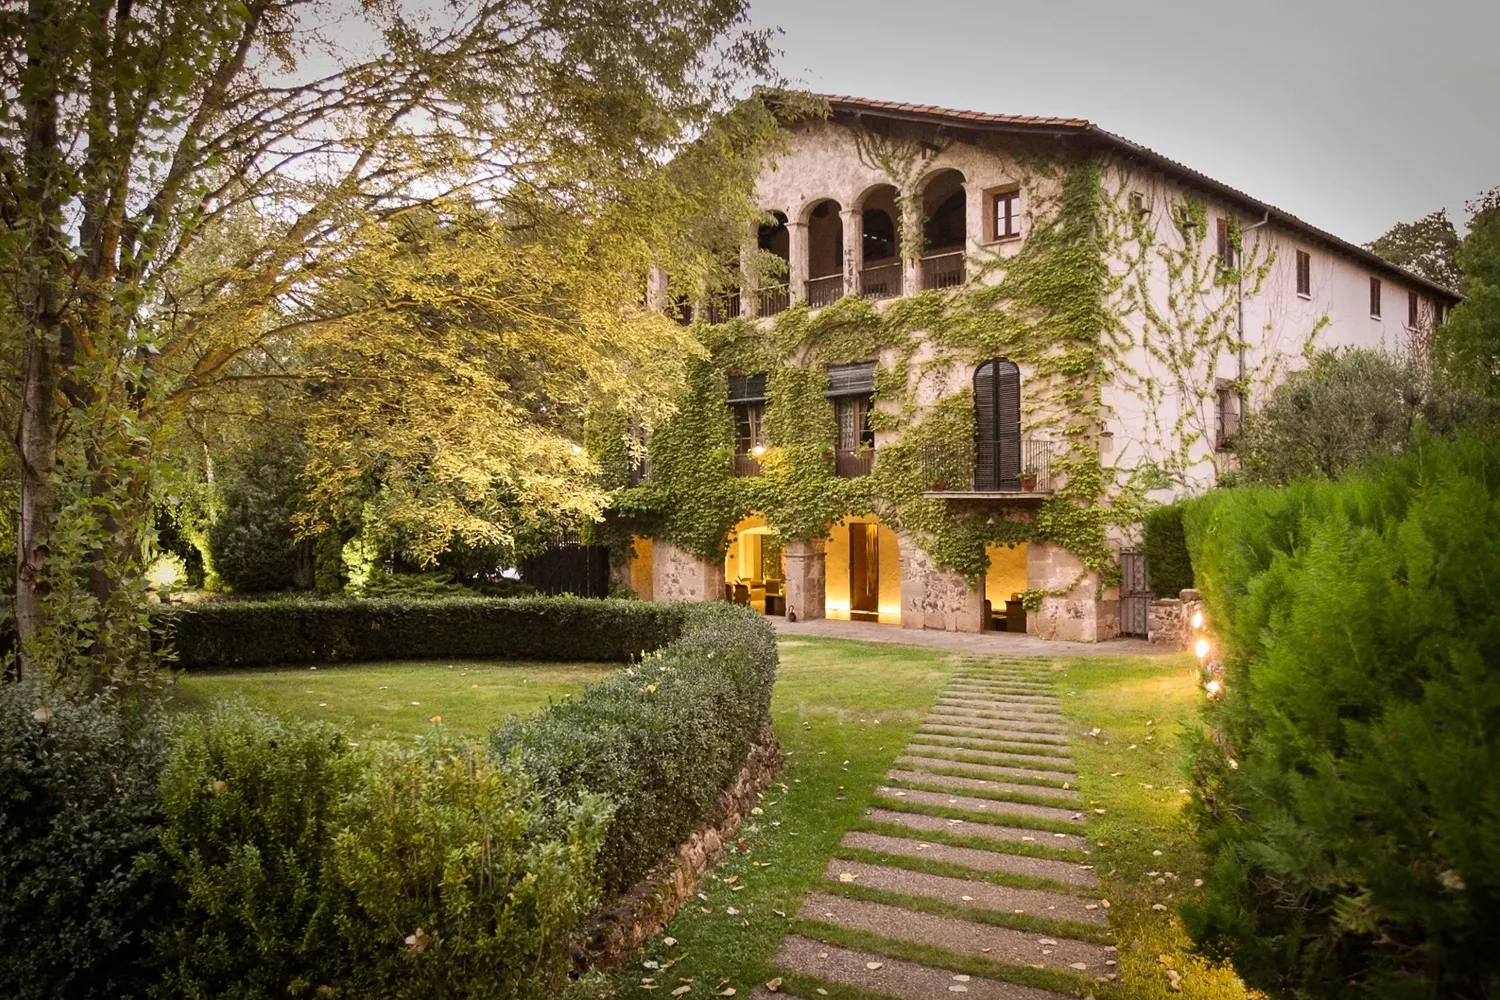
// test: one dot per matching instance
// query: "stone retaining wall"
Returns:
(1170, 621)
(635, 917)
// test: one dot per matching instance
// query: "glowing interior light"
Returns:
(1213, 688)
(1201, 648)
(1197, 619)
(758, 450)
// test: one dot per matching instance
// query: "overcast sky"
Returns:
(1352, 114)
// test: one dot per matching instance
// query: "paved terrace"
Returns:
(978, 643)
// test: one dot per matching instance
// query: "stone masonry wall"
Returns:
(678, 575)
(1171, 619)
(932, 597)
(1080, 614)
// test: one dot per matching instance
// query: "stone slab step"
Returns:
(895, 977)
(1002, 684)
(999, 728)
(1067, 872)
(979, 734)
(1020, 696)
(1010, 707)
(1021, 725)
(915, 757)
(971, 895)
(984, 754)
(987, 831)
(989, 807)
(962, 936)
(983, 785)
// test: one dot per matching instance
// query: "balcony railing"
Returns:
(943, 270)
(722, 308)
(880, 282)
(853, 463)
(825, 291)
(746, 465)
(1011, 464)
(772, 300)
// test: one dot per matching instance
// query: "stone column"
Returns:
(1078, 615)
(854, 234)
(797, 246)
(973, 217)
(806, 572)
(935, 598)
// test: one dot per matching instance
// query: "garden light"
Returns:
(1197, 619)
(1201, 647)
(1213, 688)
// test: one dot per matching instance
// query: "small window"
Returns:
(1304, 273)
(1413, 309)
(1006, 214)
(1227, 416)
(1225, 244)
(1138, 205)
(1439, 313)
(1375, 298)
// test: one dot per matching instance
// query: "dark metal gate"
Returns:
(569, 569)
(1135, 595)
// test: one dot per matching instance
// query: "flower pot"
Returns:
(1028, 484)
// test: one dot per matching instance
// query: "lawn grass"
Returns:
(1132, 770)
(842, 711)
(394, 700)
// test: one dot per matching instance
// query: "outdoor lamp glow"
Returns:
(1213, 688)
(578, 449)
(1201, 647)
(1197, 619)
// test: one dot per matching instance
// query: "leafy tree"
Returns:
(1345, 408)
(1428, 247)
(1467, 346)
(199, 196)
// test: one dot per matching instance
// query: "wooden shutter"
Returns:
(997, 425)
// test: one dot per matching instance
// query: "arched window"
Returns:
(997, 424)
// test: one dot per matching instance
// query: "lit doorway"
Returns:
(1004, 581)
(863, 578)
(755, 567)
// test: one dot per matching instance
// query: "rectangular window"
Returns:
(747, 427)
(1227, 416)
(1006, 215)
(1304, 273)
(1375, 298)
(1413, 309)
(1225, 244)
(1138, 204)
(852, 414)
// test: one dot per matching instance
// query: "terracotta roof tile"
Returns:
(854, 103)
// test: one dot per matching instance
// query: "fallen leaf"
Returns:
(774, 984)
(872, 966)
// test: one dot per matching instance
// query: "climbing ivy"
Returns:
(1054, 306)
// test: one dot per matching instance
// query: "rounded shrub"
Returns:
(79, 818)
(1346, 784)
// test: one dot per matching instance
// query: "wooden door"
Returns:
(864, 571)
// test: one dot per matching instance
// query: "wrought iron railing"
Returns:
(853, 463)
(881, 282)
(772, 300)
(722, 308)
(943, 270)
(1010, 464)
(746, 465)
(824, 291)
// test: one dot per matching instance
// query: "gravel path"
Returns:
(962, 862)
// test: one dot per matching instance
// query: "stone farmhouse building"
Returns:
(966, 351)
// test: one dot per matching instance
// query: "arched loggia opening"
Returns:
(771, 295)
(825, 254)
(879, 252)
(944, 230)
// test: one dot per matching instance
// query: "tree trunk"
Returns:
(46, 334)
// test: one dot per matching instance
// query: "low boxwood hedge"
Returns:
(661, 739)
(270, 633)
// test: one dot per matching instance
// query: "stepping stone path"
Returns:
(973, 850)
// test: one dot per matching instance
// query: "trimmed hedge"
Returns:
(661, 739)
(246, 857)
(1347, 785)
(271, 633)
(1169, 570)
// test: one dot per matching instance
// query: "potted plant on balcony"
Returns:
(1028, 480)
